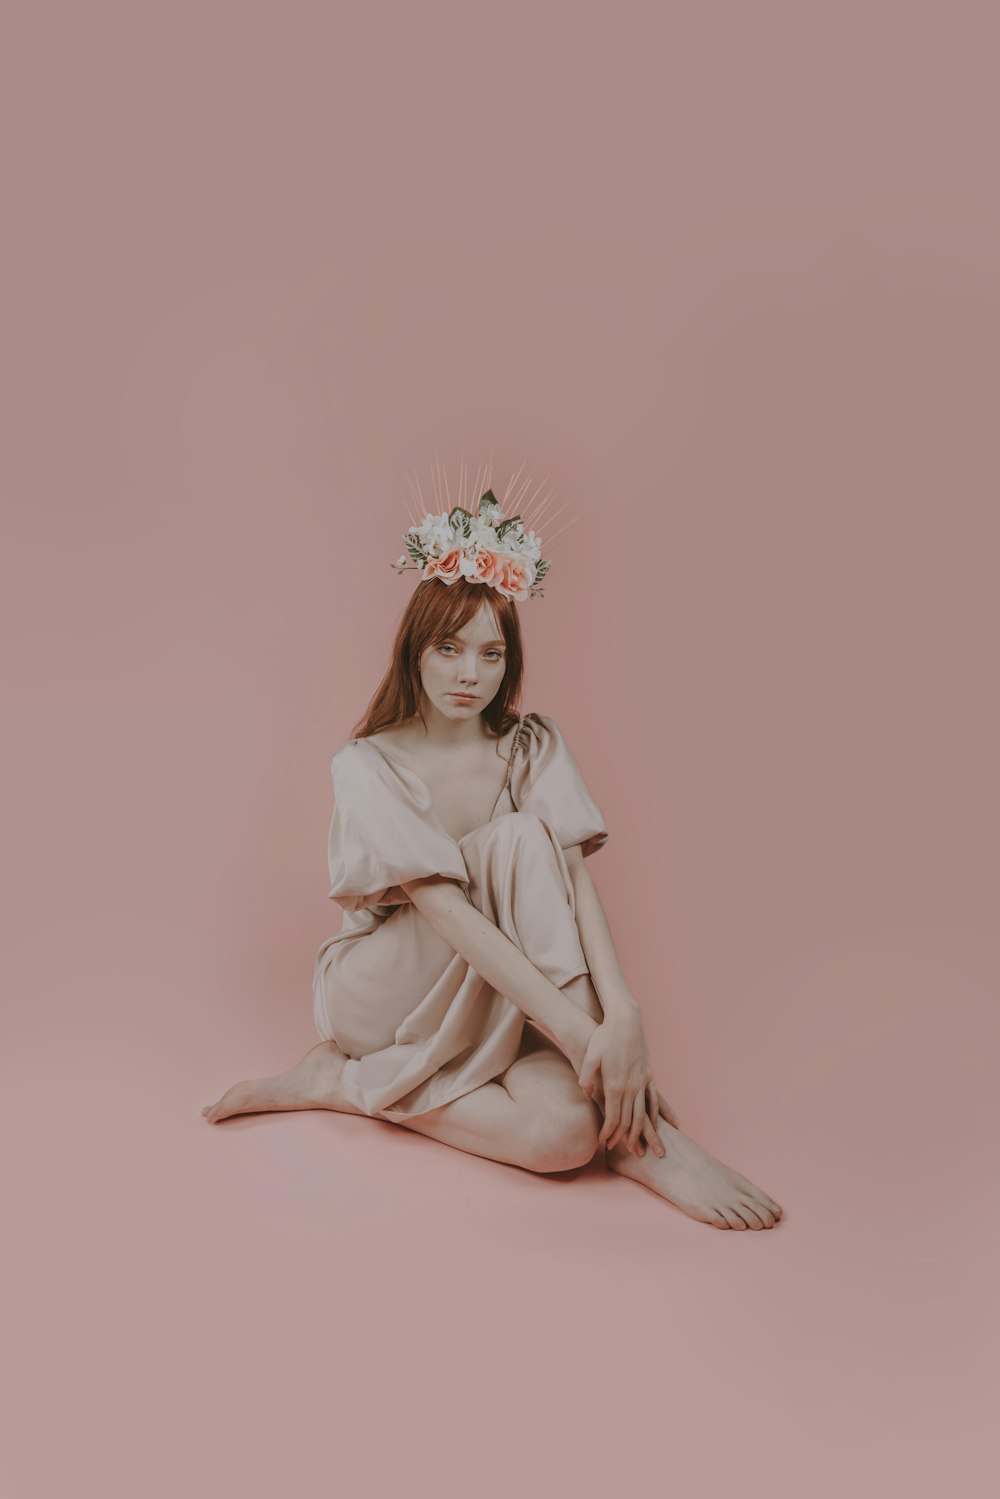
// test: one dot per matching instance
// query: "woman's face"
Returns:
(472, 661)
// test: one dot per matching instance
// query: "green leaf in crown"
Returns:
(501, 527)
(461, 519)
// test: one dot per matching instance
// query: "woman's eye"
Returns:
(491, 652)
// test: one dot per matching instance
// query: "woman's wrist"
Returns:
(570, 1032)
(620, 1005)
(585, 1029)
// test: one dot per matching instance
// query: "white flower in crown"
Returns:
(485, 547)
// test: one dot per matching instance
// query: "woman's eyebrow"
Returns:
(486, 643)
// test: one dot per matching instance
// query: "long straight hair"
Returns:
(435, 613)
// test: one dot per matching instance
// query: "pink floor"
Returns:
(291, 1300)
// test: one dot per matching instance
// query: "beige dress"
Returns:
(421, 1026)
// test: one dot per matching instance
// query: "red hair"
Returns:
(435, 613)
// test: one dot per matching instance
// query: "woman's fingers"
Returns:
(652, 1135)
(635, 1128)
(588, 1074)
(612, 1117)
(669, 1114)
(658, 1105)
(636, 1122)
(624, 1119)
(624, 1123)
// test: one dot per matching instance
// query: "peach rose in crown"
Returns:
(485, 566)
(447, 567)
(506, 573)
(495, 568)
(503, 571)
(514, 576)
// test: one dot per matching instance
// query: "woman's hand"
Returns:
(616, 1072)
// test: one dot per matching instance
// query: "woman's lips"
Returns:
(465, 697)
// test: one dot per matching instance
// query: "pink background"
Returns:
(727, 276)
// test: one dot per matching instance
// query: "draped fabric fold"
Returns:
(546, 780)
(383, 831)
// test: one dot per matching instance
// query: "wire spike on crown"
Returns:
(487, 546)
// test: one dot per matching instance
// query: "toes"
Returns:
(760, 1199)
(733, 1218)
(717, 1219)
(752, 1216)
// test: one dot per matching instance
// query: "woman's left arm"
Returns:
(618, 1046)
(598, 946)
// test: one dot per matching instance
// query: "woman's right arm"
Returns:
(445, 907)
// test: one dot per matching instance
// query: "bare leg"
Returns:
(535, 1117)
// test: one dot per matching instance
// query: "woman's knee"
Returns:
(563, 1138)
(560, 1126)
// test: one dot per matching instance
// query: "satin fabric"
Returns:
(420, 1025)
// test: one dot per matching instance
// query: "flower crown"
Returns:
(488, 547)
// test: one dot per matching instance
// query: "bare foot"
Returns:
(696, 1182)
(314, 1083)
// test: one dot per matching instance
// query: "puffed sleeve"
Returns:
(382, 832)
(546, 780)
